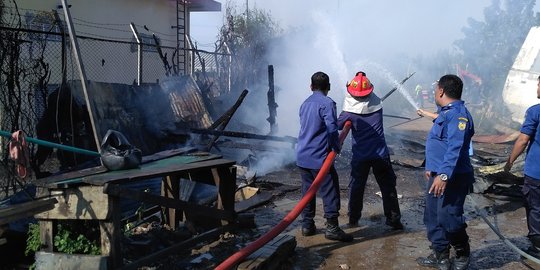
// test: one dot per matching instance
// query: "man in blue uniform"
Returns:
(449, 176)
(319, 135)
(364, 109)
(530, 136)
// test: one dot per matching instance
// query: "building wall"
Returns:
(157, 15)
(110, 19)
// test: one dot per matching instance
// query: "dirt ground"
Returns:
(375, 245)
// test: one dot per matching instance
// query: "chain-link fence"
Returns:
(38, 58)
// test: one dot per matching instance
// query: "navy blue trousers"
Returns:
(443, 215)
(328, 190)
(531, 191)
(386, 179)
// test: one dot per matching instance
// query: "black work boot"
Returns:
(395, 224)
(309, 230)
(439, 260)
(334, 232)
(534, 249)
(463, 252)
(353, 222)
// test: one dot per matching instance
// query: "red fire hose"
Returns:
(287, 220)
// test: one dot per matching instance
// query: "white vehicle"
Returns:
(519, 91)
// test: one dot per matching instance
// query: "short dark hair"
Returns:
(452, 86)
(320, 81)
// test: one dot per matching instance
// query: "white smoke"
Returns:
(343, 37)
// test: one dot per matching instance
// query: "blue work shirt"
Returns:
(447, 146)
(318, 131)
(368, 141)
(530, 127)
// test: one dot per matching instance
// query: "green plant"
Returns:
(33, 243)
(66, 242)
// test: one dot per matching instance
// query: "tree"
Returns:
(24, 77)
(247, 37)
(489, 48)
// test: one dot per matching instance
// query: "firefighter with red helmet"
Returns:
(364, 109)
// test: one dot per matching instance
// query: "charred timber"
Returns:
(184, 131)
(272, 105)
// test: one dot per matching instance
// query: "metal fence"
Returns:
(115, 61)
(47, 50)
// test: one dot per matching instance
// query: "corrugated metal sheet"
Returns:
(143, 113)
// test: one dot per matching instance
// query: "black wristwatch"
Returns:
(443, 177)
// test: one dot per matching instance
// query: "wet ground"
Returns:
(375, 245)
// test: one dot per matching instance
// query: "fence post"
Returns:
(139, 53)
(82, 73)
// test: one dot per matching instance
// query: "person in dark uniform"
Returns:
(449, 176)
(364, 109)
(530, 136)
(318, 136)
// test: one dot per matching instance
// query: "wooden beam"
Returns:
(158, 168)
(46, 235)
(170, 188)
(193, 209)
(27, 209)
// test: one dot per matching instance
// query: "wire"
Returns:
(106, 28)
(110, 24)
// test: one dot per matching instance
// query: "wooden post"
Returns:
(46, 235)
(110, 235)
(225, 181)
(272, 105)
(222, 122)
(170, 188)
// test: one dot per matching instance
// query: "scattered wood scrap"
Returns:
(271, 255)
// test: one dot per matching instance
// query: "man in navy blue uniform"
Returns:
(318, 136)
(530, 136)
(449, 176)
(364, 109)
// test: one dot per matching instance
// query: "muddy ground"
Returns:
(375, 245)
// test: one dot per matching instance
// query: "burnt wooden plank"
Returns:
(43, 182)
(168, 153)
(68, 177)
(27, 209)
(193, 209)
(270, 255)
(160, 168)
(174, 249)
(255, 200)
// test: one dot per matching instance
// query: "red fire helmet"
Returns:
(360, 86)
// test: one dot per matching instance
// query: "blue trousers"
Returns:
(386, 179)
(531, 191)
(328, 190)
(443, 215)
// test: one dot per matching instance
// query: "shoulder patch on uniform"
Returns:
(462, 125)
(463, 119)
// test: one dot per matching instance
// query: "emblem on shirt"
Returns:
(462, 125)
